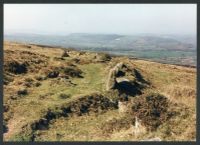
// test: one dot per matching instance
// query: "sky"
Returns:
(62, 19)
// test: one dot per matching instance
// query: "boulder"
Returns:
(65, 54)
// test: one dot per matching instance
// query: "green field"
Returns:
(166, 56)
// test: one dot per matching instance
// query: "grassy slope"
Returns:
(176, 82)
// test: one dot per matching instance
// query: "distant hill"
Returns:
(109, 41)
(168, 48)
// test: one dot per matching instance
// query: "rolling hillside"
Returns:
(62, 94)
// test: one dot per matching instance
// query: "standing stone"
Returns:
(123, 108)
(120, 66)
(138, 128)
(111, 83)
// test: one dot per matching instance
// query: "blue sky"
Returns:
(61, 19)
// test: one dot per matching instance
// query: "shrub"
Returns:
(7, 79)
(22, 92)
(39, 78)
(82, 53)
(16, 67)
(5, 107)
(64, 96)
(5, 128)
(28, 80)
(73, 72)
(75, 60)
(151, 109)
(53, 74)
(37, 84)
(105, 57)
(28, 84)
